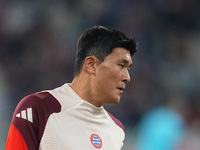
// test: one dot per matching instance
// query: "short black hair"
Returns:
(99, 41)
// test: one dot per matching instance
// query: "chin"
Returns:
(116, 101)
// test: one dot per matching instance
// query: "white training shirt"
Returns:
(60, 120)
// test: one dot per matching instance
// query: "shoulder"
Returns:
(40, 100)
(37, 106)
(31, 115)
(118, 122)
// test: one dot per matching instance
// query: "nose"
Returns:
(126, 77)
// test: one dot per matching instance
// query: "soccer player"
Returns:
(72, 117)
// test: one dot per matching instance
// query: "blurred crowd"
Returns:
(37, 51)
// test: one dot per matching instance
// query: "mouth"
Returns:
(121, 89)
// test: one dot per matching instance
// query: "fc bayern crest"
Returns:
(96, 140)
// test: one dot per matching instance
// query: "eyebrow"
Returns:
(125, 61)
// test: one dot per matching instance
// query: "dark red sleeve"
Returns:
(29, 121)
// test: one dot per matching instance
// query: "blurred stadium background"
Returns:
(161, 107)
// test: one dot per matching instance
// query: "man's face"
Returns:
(112, 75)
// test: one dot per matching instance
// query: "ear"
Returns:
(90, 64)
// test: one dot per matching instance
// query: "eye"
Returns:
(121, 65)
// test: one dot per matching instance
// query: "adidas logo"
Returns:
(26, 114)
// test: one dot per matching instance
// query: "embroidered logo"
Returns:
(96, 140)
(26, 114)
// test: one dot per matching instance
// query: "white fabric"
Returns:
(71, 129)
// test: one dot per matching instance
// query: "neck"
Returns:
(82, 86)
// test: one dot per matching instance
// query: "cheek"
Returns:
(108, 74)
(111, 78)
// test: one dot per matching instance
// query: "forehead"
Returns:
(120, 54)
